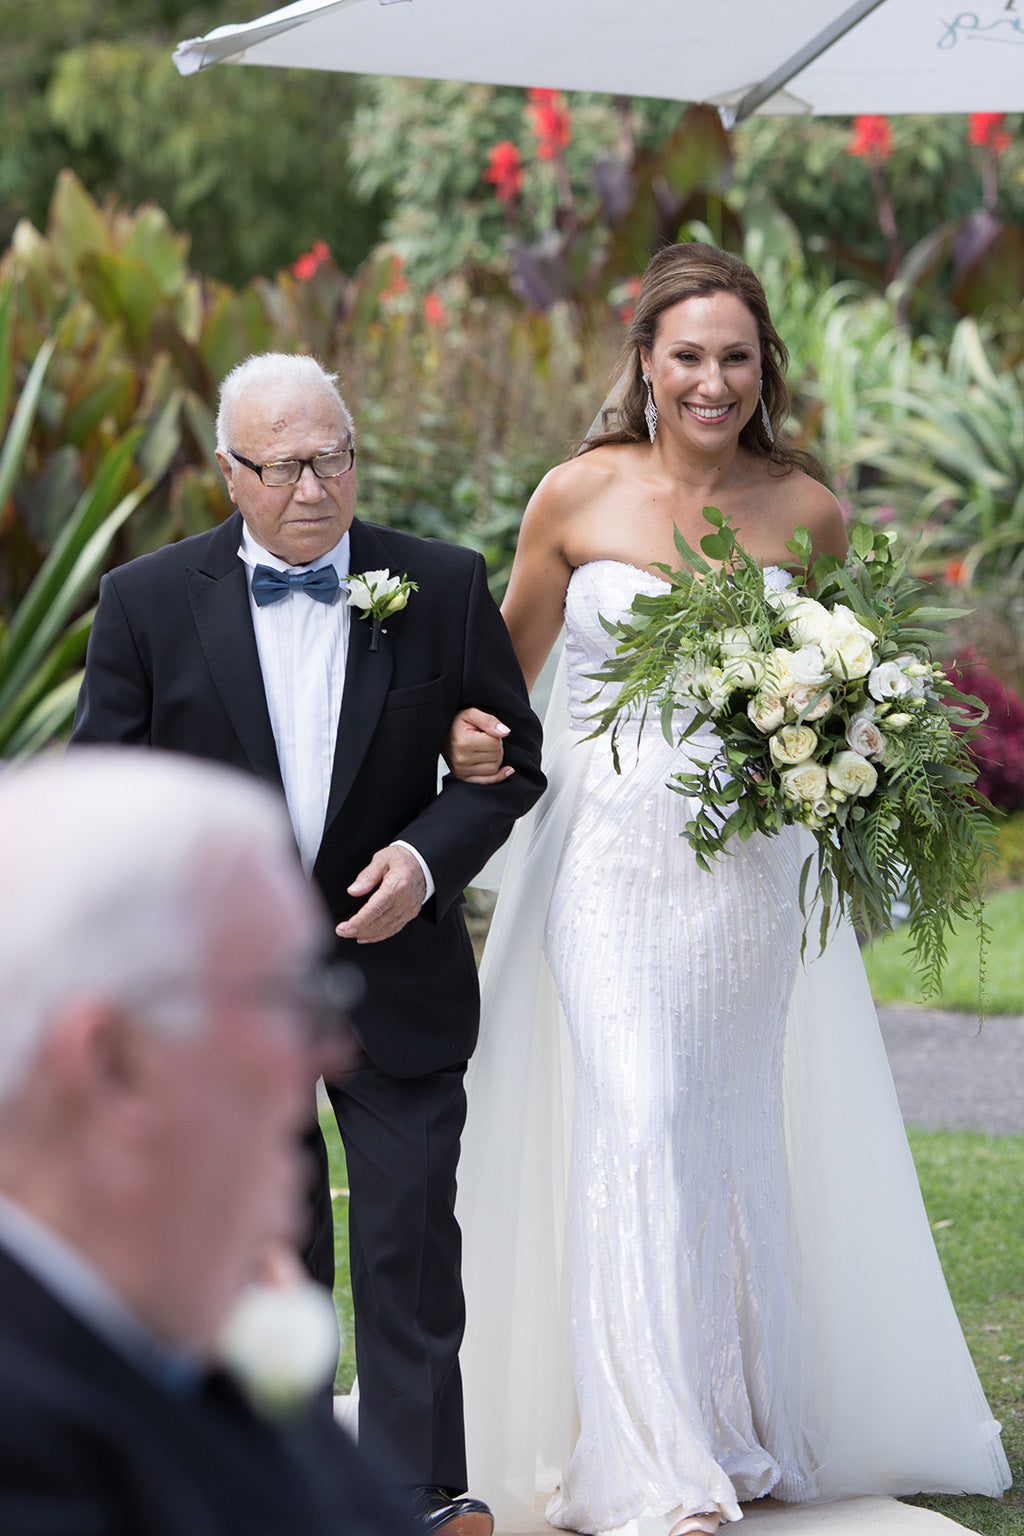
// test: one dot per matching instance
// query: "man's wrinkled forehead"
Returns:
(282, 414)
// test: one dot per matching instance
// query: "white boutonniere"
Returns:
(377, 595)
(280, 1343)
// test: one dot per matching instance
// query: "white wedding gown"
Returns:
(745, 1297)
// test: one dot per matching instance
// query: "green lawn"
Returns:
(894, 980)
(342, 1296)
(974, 1190)
(973, 1187)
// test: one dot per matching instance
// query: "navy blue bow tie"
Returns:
(269, 586)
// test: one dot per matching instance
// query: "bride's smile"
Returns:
(706, 359)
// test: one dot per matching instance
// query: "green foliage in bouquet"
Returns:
(831, 715)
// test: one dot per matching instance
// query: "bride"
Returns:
(754, 1304)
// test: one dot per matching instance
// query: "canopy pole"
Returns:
(758, 94)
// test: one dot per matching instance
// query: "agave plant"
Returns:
(43, 640)
(945, 451)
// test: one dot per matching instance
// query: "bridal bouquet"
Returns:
(831, 714)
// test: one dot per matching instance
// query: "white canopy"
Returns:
(831, 57)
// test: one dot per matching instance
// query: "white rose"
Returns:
(848, 651)
(887, 681)
(792, 744)
(807, 667)
(863, 736)
(691, 677)
(281, 1345)
(745, 672)
(852, 774)
(822, 809)
(845, 618)
(807, 781)
(809, 622)
(777, 670)
(899, 722)
(800, 699)
(717, 689)
(767, 712)
(739, 640)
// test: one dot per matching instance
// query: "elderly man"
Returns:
(156, 1056)
(235, 645)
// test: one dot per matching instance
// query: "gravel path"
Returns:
(951, 1076)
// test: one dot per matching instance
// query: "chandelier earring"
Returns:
(650, 409)
(766, 420)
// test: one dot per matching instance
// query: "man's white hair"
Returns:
(118, 871)
(271, 373)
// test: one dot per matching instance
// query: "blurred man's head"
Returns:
(155, 1071)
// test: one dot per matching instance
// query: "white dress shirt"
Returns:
(303, 650)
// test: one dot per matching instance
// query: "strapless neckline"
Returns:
(642, 570)
(625, 565)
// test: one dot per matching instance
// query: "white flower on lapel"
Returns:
(280, 1343)
(377, 595)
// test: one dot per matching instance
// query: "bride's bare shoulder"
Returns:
(581, 481)
(811, 505)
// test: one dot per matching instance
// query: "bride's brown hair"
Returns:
(687, 271)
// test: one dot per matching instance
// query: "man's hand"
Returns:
(398, 885)
(473, 749)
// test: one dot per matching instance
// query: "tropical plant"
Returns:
(562, 197)
(937, 171)
(457, 422)
(842, 341)
(945, 453)
(43, 641)
(139, 342)
(473, 169)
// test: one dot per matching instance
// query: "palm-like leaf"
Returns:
(43, 640)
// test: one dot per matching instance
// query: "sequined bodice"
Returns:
(599, 589)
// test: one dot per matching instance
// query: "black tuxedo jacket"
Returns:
(89, 1446)
(172, 663)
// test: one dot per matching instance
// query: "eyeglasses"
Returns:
(326, 466)
(318, 1000)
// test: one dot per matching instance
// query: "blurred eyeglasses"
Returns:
(318, 1000)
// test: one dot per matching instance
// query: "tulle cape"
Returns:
(889, 1398)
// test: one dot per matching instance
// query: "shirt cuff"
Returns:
(421, 861)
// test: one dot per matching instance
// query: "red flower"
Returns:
(629, 291)
(308, 262)
(505, 170)
(433, 310)
(956, 573)
(397, 282)
(550, 122)
(987, 132)
(872, 138)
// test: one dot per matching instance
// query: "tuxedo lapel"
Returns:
(367, 677)
(218, 595)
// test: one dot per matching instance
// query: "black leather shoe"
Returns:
(434, 1509)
